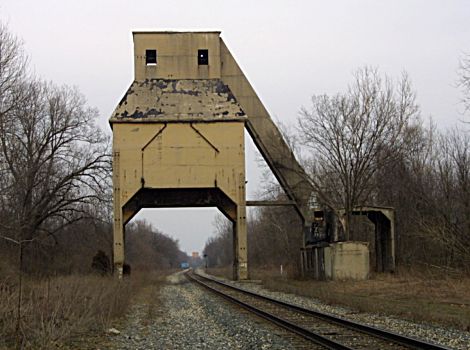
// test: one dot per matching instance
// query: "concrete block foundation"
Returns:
(337, 261)
(347, 261)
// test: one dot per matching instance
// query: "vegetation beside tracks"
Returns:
(70, 312)
(422, 295)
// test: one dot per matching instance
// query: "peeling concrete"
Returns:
(178, 99)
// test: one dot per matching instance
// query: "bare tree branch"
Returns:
(352, 135)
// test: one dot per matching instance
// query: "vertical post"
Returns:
(316, 260)
(118, 245)
(240, 254)
(235, 252)
(240, 261)
(391, 242)
(118, 228)
(307, 236)
(321, 264)
(379, 244)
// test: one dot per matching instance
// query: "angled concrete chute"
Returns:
(266, 136)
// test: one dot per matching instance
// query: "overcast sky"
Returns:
(289, 50)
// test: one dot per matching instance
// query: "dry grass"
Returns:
(58, 309)
(431, 295)
(150, 296)
(417, 296)
(225, 272)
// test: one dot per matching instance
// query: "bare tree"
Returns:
(149, 249)
(218, 248)
(449, 224)
(54, 162)
(13, 70)
(352, 135)
(464, 80)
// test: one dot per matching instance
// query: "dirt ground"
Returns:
(431, 296)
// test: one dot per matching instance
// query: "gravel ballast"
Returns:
(189, 317)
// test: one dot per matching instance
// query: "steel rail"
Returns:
(305, 333)
(356, 326)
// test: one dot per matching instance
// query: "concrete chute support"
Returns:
(268, 138)
(178, 136)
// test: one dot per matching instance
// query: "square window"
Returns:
(203, 57)
(151, 57)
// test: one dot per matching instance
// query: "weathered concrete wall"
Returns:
(180, 155)
(347, 261)
(176, 55)
(177, 100)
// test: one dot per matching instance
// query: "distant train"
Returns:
(185, 265)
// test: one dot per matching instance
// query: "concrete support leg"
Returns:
(118, 227)
(118, 247)
(307, 234)
(240, 256)
(303, 271)
(391, 247)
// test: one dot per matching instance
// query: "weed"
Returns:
(56, 309)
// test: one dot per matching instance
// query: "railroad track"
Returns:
(329, 331)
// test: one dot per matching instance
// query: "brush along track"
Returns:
(327, 330)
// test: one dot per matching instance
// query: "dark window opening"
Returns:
(203, 57)
(150, 57)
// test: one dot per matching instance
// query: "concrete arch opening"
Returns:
(180, 164)
(195, 198)
(191, 228)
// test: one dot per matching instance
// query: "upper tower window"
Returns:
(203, 57)
(151, 57)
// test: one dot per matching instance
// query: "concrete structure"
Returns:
(337, 261)
(325, 256)
(383, 219)
(179, 136)
(179, 142)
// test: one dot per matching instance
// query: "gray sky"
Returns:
(289, 50)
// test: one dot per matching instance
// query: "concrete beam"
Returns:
(270, 203)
